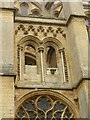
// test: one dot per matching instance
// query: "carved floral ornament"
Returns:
(40, 29)
(44, 106)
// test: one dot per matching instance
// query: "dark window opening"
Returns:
(51, 57)
(30, 55)
(30, 60)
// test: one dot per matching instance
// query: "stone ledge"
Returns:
(40, 20)
(7, 70)
(60, 86)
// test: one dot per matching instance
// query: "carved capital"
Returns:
(41, 48)
(20, 47)
(61, 50)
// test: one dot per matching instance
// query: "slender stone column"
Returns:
(41, 49)
(62, 60)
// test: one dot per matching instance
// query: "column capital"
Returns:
(61, 50)
(41, 48)
(20, 47)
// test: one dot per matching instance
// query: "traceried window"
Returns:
(44, 107)
(24, 8)
(51, 57)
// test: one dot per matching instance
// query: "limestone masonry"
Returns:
(44, 60)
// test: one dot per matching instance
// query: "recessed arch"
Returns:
(28, 44)
(54, 42)
(51, 57)
(24, 8)
(30, 58)
(51, 95)
(29, 40)
(53, 45)
(30, 55)
(36, 12)
(37, 4)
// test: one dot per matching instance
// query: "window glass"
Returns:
(24, 8)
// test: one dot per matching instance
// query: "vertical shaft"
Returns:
(63, 69)
(41, 49)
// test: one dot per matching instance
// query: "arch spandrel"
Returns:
(52, 99)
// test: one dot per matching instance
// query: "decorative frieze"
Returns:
(40, 29)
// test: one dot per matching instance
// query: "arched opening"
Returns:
(30, 55)
(35, 12)
(24, 8)
(46, 105)
(30, 61)
(51, 57)
(27, 59)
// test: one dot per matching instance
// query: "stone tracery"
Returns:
(36, 8)
(37, 30)
(45, 107)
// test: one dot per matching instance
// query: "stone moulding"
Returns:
(40, 29)
(73, 108)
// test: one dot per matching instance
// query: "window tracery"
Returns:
(44, 107)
